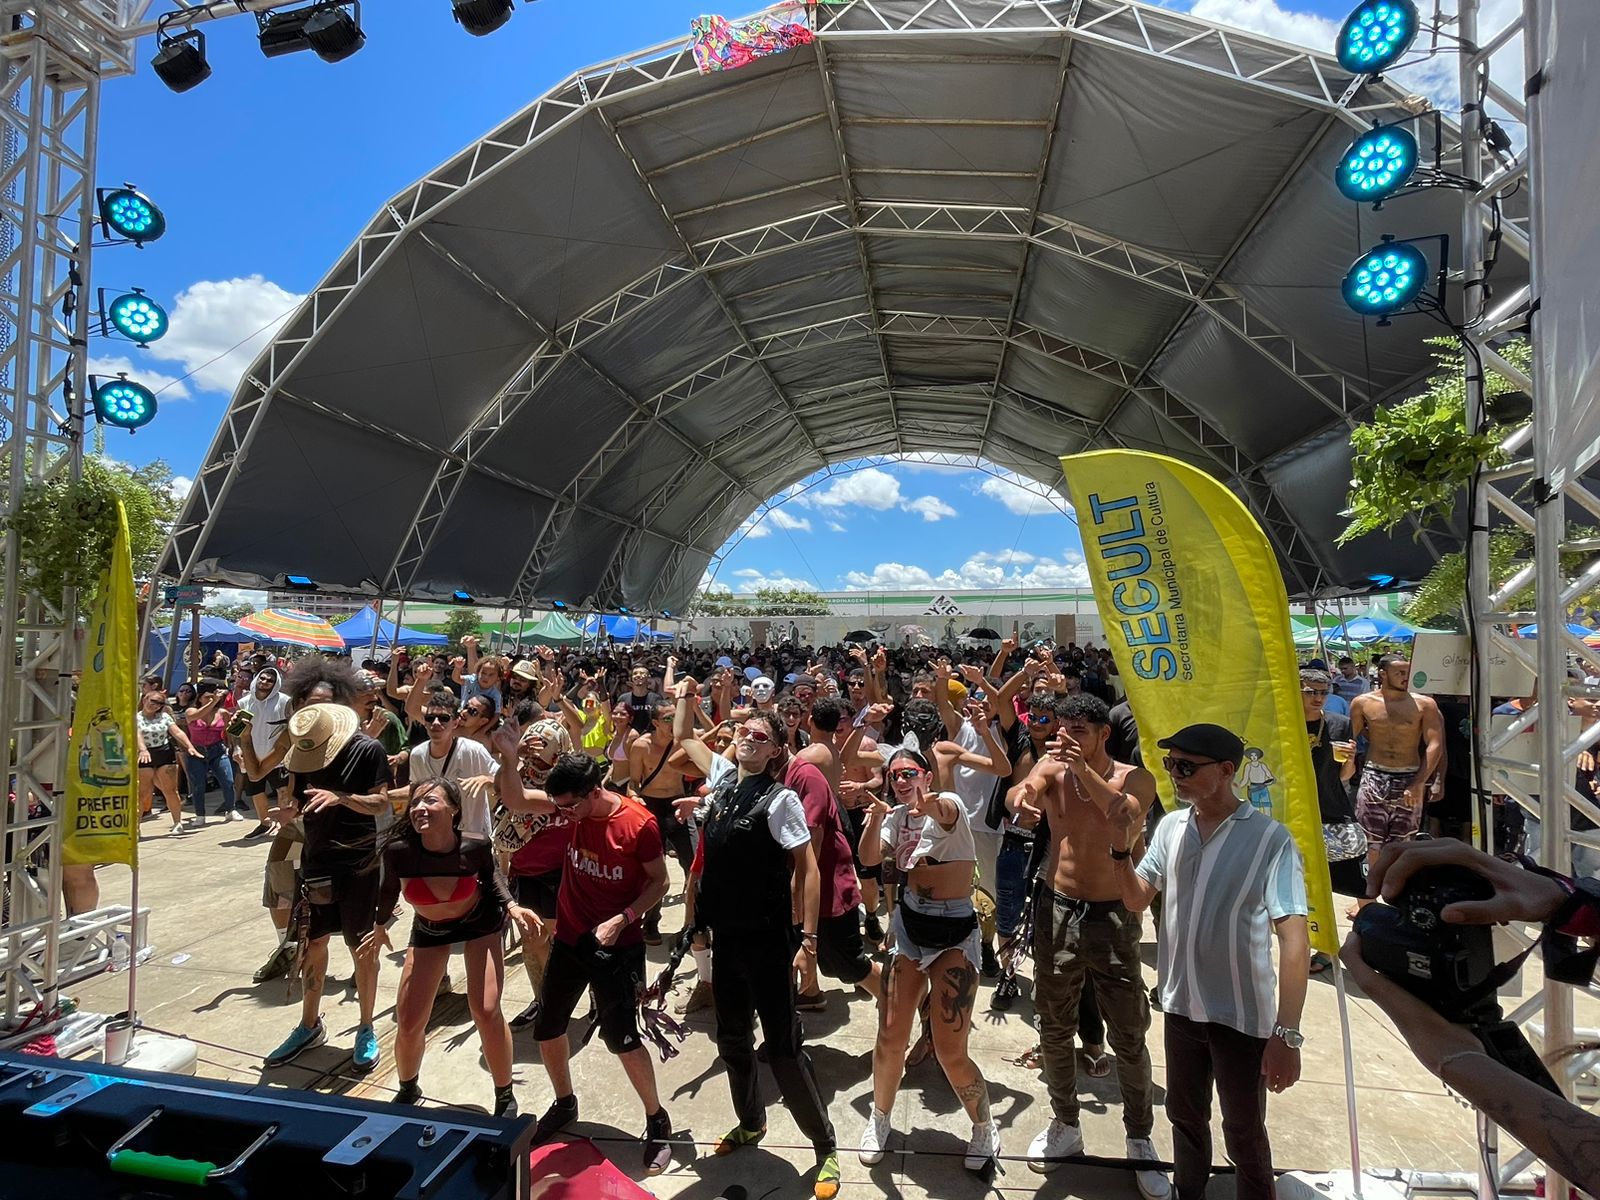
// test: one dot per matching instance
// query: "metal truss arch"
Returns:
(862, 271)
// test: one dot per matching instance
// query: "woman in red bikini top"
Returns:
(452, 882)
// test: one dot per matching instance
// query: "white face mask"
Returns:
(762, 692)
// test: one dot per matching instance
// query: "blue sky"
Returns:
(269, 169)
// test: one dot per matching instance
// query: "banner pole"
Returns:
(377, 628)
(134, 948)
(1349, 1079)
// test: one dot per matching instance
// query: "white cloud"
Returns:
(1268, 17)
(220, 325)
(981, 570)
(181, 485)
(786, 520)
(752, 580)
(755, 531)
(930, 508)
(168, 387)
(869, 488)
(255, 599)
(1009, 490)
(836, 527)
(889, 575)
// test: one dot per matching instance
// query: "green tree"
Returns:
(768, 602)
(460, 623)
(790, 602)
(229, 612)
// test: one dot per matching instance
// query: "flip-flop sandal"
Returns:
(1320, 962)
(1098, 1066)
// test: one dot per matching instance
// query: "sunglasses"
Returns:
(1041, 717)
(438, 719)
(1314, 691)
(906, 774)
(1184, 768)
(760, 736)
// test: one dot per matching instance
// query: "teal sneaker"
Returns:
(366, 1055)
(300, 1040)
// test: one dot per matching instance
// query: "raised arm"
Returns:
(1003, 655)
(396, 689)
(941, 698)
(683, 728)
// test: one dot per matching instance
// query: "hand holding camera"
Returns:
(1513, 893)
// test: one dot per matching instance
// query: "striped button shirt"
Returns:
(1221, 896)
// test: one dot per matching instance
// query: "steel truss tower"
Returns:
(1523, 494)
(54, 56)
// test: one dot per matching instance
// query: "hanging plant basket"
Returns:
(66, 530)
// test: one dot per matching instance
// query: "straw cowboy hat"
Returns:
(316, 735)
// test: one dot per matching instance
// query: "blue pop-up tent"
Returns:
(214, 631)
(357, 632)
(623, 629)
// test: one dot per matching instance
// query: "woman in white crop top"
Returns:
(935, 938)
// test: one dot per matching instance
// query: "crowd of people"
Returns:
(903, 821)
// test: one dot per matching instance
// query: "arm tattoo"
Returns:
(975, 1098)
(1575, 1151)
(956, 1000)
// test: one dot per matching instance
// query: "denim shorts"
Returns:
(923, 956)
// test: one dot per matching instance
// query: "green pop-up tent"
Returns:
(552, 629)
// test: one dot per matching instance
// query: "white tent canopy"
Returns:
(569, 362)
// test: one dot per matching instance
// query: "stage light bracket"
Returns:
(180, 59)
(128, 215)
(331, 29)
(121, 402)
(1421, 300)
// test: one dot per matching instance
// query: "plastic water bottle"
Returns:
(119, 953)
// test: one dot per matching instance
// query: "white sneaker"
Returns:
(983, 1146)
(1153, 1184)
(178, 827)
(1056, 1141)
(235, 815)
(874, 1137)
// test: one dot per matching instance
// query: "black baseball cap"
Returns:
(1207, 741)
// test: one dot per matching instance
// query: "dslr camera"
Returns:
(1446, 966)
(1451, 968)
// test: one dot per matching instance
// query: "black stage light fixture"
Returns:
(559, 605)
(180, 61)
(461, 598)
(331, 29)
(480, 17)
(300, 583)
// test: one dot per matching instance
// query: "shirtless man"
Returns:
(655, 771)
(1083, 930)
(861, 784)
(1405, 746)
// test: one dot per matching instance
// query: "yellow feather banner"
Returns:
(1196, 616)
(100, 820)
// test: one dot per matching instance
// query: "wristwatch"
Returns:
(1292, 1038)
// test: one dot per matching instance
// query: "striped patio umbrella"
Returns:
(291, 627)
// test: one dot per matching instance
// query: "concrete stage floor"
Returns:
(203, 891)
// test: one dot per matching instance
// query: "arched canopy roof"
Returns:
(569, 363)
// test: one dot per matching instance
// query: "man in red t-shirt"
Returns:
(614, 873)
(841, 954)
